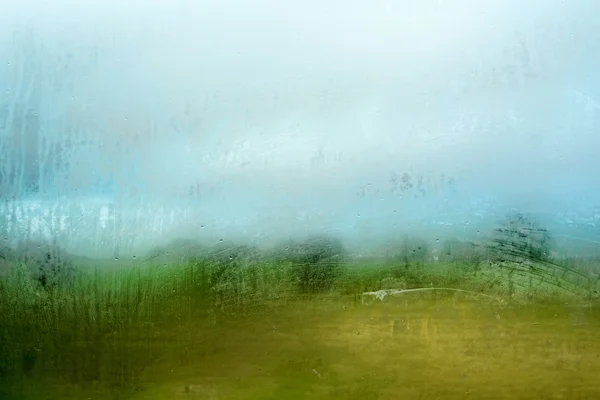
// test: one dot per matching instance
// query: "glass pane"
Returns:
(364, 199)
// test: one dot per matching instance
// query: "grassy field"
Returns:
(233, 323)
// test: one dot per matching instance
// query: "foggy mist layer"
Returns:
(123, 126)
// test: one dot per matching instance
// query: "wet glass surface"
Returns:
(227, 199)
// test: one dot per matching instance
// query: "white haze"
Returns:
(259, 120)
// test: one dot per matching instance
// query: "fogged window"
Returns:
(228, 199)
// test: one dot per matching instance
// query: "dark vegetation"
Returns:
(46, 264)
(55, 307)
(315, 263)
(523, 249)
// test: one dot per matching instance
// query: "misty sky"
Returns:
(262, 119)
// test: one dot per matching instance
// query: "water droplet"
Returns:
(395, 212)
(134, 257)
(220, 240)
(358, 215)
(437, 239)
(231, 257)
(116, 258)
(201, 226)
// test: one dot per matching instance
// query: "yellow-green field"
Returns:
(238, 325)
(408, 346)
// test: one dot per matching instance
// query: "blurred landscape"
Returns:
(75, 326)
(347, 200)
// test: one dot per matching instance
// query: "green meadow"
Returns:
(303, 320)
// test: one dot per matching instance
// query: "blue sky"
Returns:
(289, 119)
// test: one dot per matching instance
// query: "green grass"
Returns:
(104, 329)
